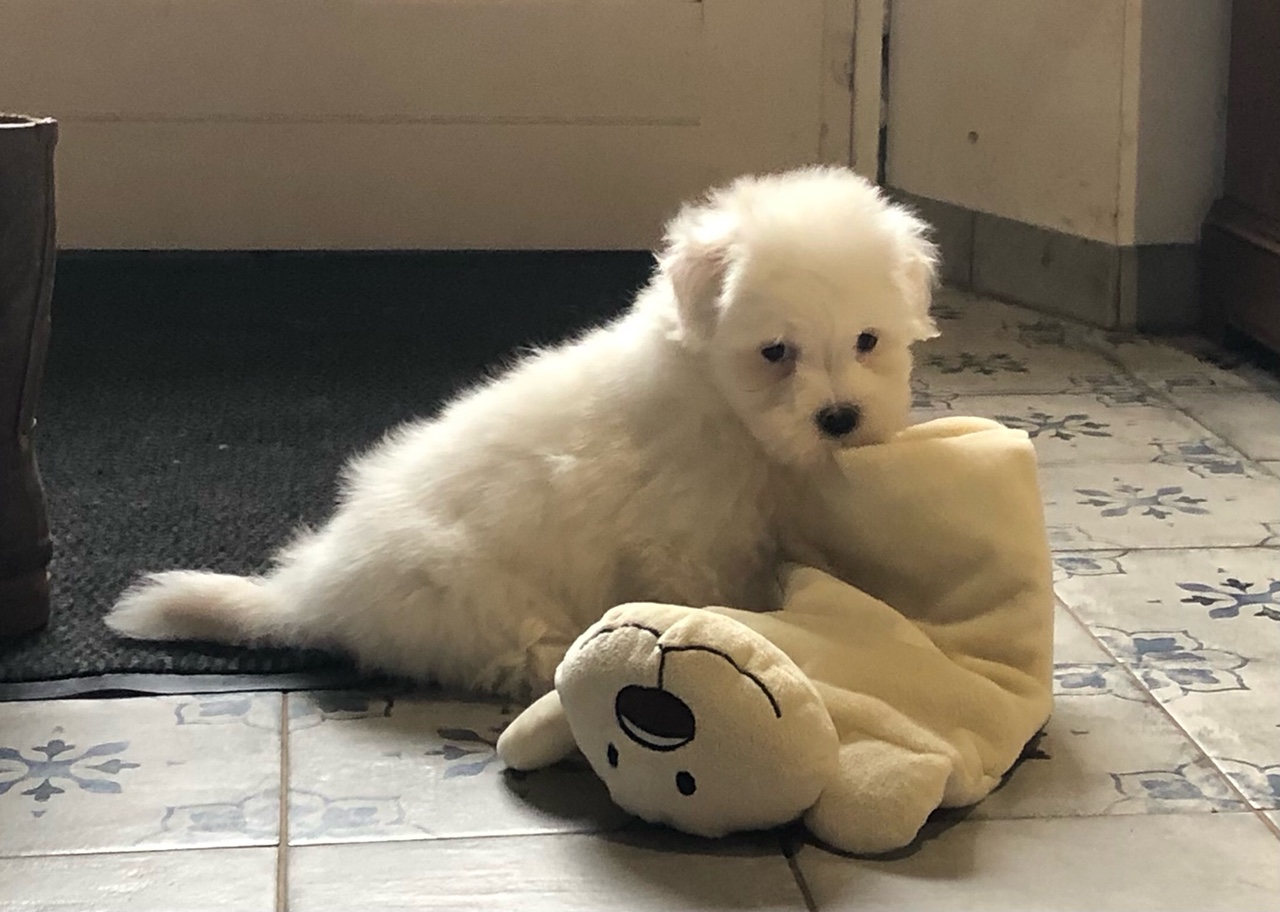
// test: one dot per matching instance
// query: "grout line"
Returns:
(1253, 546)
(1126, 550)
(166, 849)
(282, 848)
(129, 850)
(458, 837)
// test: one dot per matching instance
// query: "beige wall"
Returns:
(354, 124)
(1099, 118)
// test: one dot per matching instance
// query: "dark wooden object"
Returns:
(1241, 238)
(27, 252)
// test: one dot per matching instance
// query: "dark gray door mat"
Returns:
(197, 410)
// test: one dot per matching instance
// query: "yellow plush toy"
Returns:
(859, 708)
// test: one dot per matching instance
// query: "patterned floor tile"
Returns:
(1070, 564)
(1174, 369)
(1228, 595)
(1108, 749)
(229, 880)
(965, 320)
(371, 768)
(986, 347)
(1249, 421)
(1209, 862)
(152, 772)
(992, 367)
(1204, 497)
(532, 873)
(1202, 631)
(1087, 428)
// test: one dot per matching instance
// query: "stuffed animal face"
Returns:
(693, 720)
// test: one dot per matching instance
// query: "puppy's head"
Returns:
(804, 292)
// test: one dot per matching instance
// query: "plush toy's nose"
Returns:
(654, 718)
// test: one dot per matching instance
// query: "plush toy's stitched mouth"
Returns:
(653, 718)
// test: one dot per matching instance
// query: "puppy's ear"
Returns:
(694, 258)
(918, 273)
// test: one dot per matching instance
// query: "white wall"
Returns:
(1099, 118)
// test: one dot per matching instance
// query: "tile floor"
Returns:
(1156, 785)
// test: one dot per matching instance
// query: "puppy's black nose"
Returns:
(837, 420)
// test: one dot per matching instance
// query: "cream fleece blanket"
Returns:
(940, 669)
(922, 621)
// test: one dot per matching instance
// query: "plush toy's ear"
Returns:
(694, 258)
(880, 797)
(537, 737)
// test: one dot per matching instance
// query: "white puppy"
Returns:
(641, 462)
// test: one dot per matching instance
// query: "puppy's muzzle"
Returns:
(838, 420)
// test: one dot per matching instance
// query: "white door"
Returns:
(348, 124)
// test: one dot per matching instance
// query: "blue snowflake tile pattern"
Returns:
(1229, 596)
(1194, 785)
(466, 752)
(1260, 782)
(254, 818)
(1152, 505)
(228, 709)
(1090, 679)
(1160, 503)
(1114, 390)
(986, 364)
(1069, 537)
(1205, 458)
(1173, 663)
(924, 398)
(115, 775)
(52, 768)
(1060, 427)
(1088, 563)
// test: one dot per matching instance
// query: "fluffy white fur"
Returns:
(641, 462)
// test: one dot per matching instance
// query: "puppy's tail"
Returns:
(195, 605)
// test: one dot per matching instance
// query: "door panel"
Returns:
(418, 123)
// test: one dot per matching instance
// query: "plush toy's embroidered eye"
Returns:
(612, 755)
(866, 342)
(686, 783)
(776, 352)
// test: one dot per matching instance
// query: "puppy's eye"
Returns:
(866, 342)
(775, 352)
